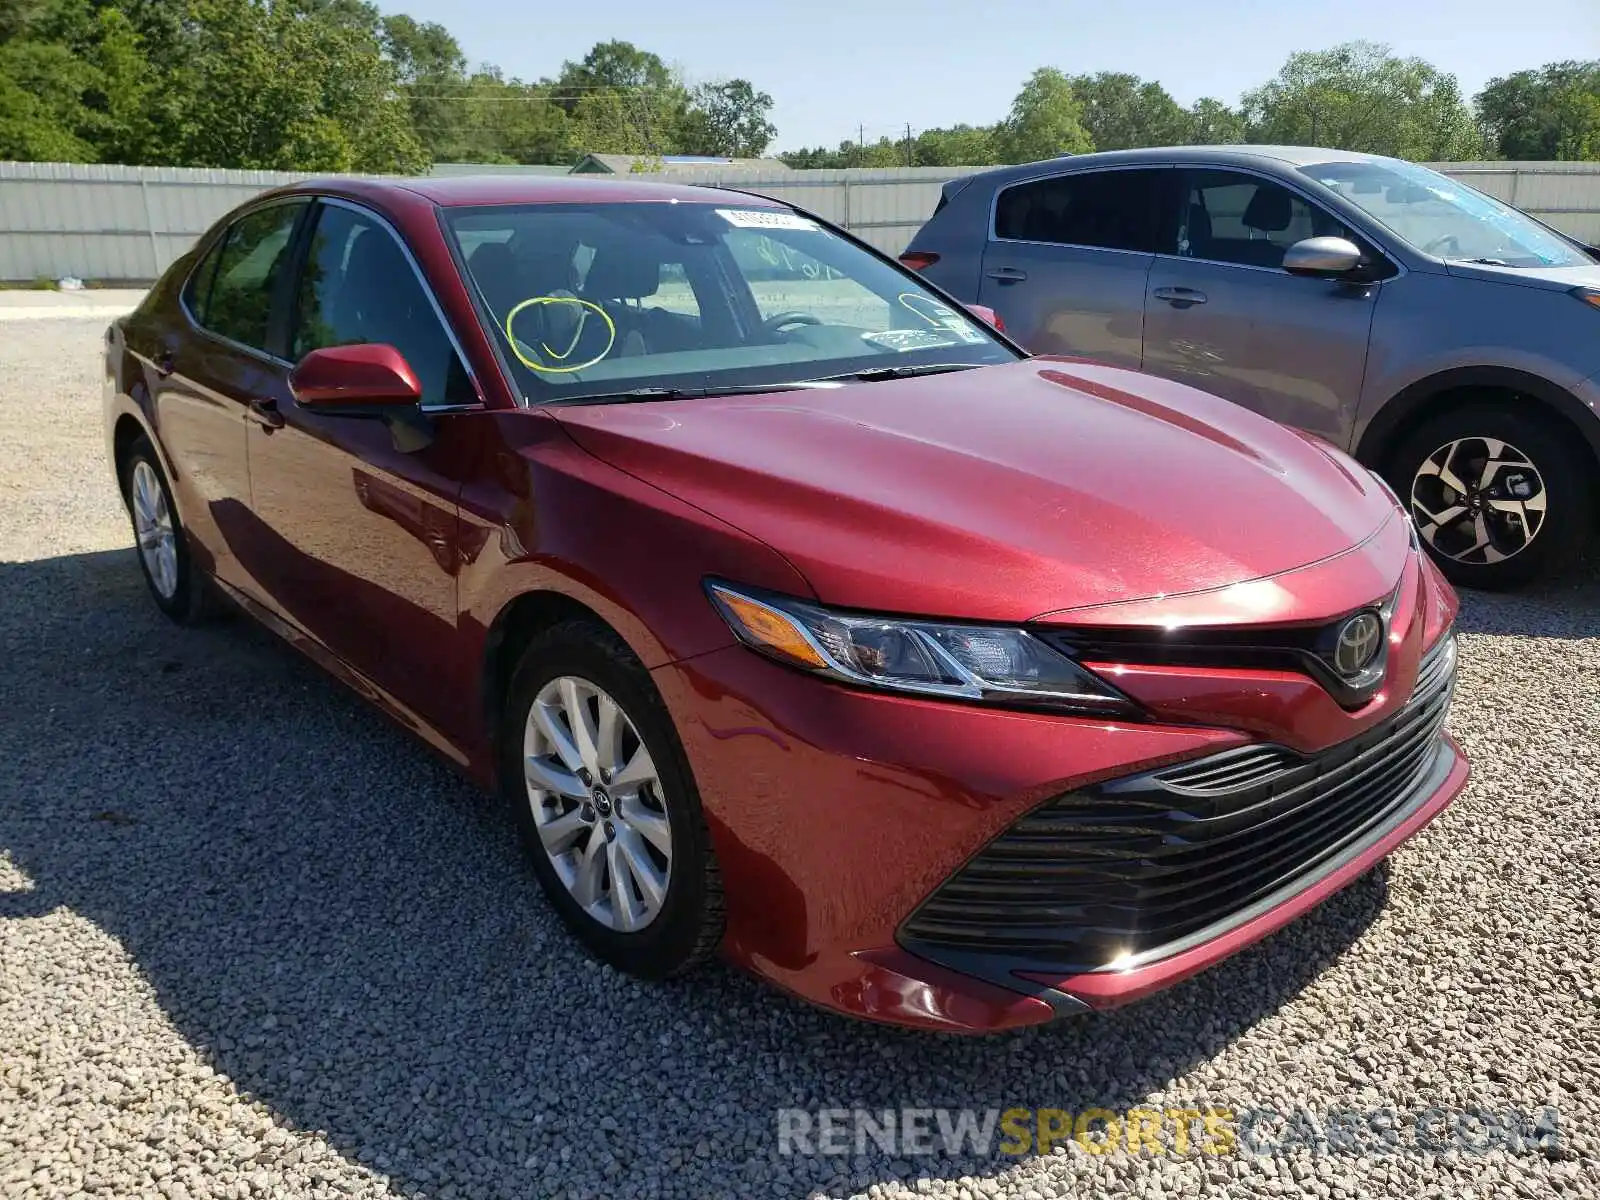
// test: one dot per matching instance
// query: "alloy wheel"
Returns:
(1478, 500)
(152, 527)
(597, 803)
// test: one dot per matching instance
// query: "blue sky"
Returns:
(832, 66)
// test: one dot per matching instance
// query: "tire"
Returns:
(1511, 462)
(179, 588)
(687, 923)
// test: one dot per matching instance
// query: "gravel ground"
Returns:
(254, 941)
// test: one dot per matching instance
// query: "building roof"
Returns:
(623, 164)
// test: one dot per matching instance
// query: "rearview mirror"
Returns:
(987, 315)
(1322, 256)
(354, 380)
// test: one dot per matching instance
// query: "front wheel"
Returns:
(1499, 496)
(601, 794)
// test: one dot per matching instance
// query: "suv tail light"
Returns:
(918, 260)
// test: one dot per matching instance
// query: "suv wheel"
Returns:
(1499, 496)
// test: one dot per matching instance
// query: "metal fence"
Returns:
(125, 224)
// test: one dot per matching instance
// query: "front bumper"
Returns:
(841, 817)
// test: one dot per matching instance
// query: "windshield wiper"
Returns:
(1487, 262)
(645, 395)
(878, 374)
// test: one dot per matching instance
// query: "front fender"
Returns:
(548, 518)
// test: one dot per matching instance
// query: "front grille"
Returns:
(1136, 865)
(1307, 650)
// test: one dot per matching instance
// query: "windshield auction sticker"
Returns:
(764, 218)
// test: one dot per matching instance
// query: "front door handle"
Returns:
(164, 362)
(1179, 297)
(265, 413)
(1007, 275)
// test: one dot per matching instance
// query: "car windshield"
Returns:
(1439, 216)
(604, 299)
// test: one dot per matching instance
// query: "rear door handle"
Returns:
(1179, 297)
(1007, 274)
(164, 362)
(265, 414)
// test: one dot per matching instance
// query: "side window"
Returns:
(250, 261)
(1111, 210)
(783, 279)
(358, 287)
(197, 289)
(1234, 218)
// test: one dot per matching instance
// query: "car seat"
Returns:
(625, 269)
(1270, 211)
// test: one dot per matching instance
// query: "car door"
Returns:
(1222, 314)
(1067, 257)
(355, 517)
(208, 362)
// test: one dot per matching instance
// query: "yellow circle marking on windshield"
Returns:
(945, 312)
(589, 305)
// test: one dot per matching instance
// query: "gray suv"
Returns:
(1436, 333)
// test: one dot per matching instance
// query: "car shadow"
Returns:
(346, 930)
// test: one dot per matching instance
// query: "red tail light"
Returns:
(918, 260)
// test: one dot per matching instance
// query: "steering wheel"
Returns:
(1437, 246)
(781, 320)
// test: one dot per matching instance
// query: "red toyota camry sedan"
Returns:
(796, 613)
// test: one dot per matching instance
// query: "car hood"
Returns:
(1002, 493)
(1553, 279)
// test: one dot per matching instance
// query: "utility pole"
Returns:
(861, 145)
(908, 144)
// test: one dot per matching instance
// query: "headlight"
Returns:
(965, 662)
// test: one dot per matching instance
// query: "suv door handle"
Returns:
(1179, 297)
(1007, 274)
(265, 413)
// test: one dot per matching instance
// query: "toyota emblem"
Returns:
(1357, 644)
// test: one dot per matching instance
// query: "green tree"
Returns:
(1122, 111)
(727, 118)
(42, 117)
(1046, 120)
(1549, 113)
(623, 86)
(613, 122)
(1360, 96)
(432, 70)
(957, 146)
(1213, 123)
(271, 89)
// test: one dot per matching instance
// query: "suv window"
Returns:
(1113, 210)
(1236, 218)
(358, 287)
(250, 260)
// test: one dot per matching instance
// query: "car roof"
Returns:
(1293, 156)
(467, 190)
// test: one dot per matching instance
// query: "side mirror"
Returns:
(987, 315)
(1322, 256)
(354, 380)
